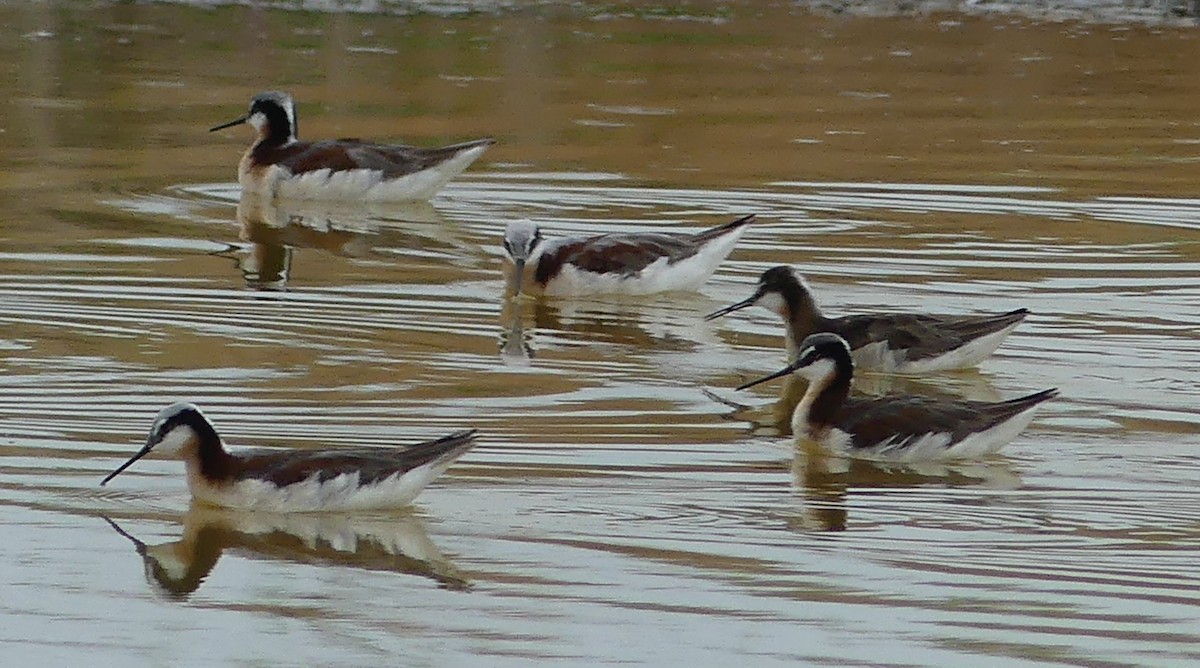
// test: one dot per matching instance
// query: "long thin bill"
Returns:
(778, 374)
(745, 303)
(230, 124)
(140, 453)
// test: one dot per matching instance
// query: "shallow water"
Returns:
(621, 507)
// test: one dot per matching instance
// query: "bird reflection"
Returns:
(266, 266)
(516, 348)
(657, 326)
(774, 420)
(653, 325)
(397, 543)
(823, 488)
(825, 481)
(273, 229)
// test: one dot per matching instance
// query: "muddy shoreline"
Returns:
(1181, 13)
(1151, 12)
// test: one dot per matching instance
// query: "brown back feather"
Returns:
(871, 421)
(372, 464)
(922, 335)
(346, 154)
(627, 253)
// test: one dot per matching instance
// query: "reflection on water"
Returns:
(614, 513)
(272, 229)
(516, 346)
(776, 418)
(824, 480)
(396, 543)
(611, 488)
(264, 266)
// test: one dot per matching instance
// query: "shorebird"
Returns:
(296, 480)
(279, 164)
(894, 428)
(636, 263)
(901, 342)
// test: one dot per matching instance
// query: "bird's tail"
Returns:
(721, 230)
(443, 450)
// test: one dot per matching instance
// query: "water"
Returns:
(625, 504)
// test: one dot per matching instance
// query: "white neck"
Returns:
(819, 375)
(174, 443)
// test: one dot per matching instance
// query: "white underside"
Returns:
(366, 185)
(932, 446)
(879, 357)
(174, 565)
(395, 534)
(341, 493)
(329, 216)
(660, 276)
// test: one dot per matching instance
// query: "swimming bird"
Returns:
(636, 263)
(900, 342)
(296, 480)
(279, 164)
(894, 428)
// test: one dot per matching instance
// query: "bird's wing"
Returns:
(618, 253)
(286, 467)
(900, 421)
(349, 154)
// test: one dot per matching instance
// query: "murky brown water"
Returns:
(615, 512)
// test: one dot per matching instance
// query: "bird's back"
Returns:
(890, 425)
(338, 480)
(619, 253)
(924, 342)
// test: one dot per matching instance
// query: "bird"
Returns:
(894, 428)
(889, 342)
(279, 164)
(294, 480)
(636, 263)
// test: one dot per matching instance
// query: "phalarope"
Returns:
(894, 428)
(278, 163)
(901, 342)
(635, 263)
(296, 480)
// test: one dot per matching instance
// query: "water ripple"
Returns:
(608, 485)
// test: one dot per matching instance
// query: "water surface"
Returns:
(625, 504)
